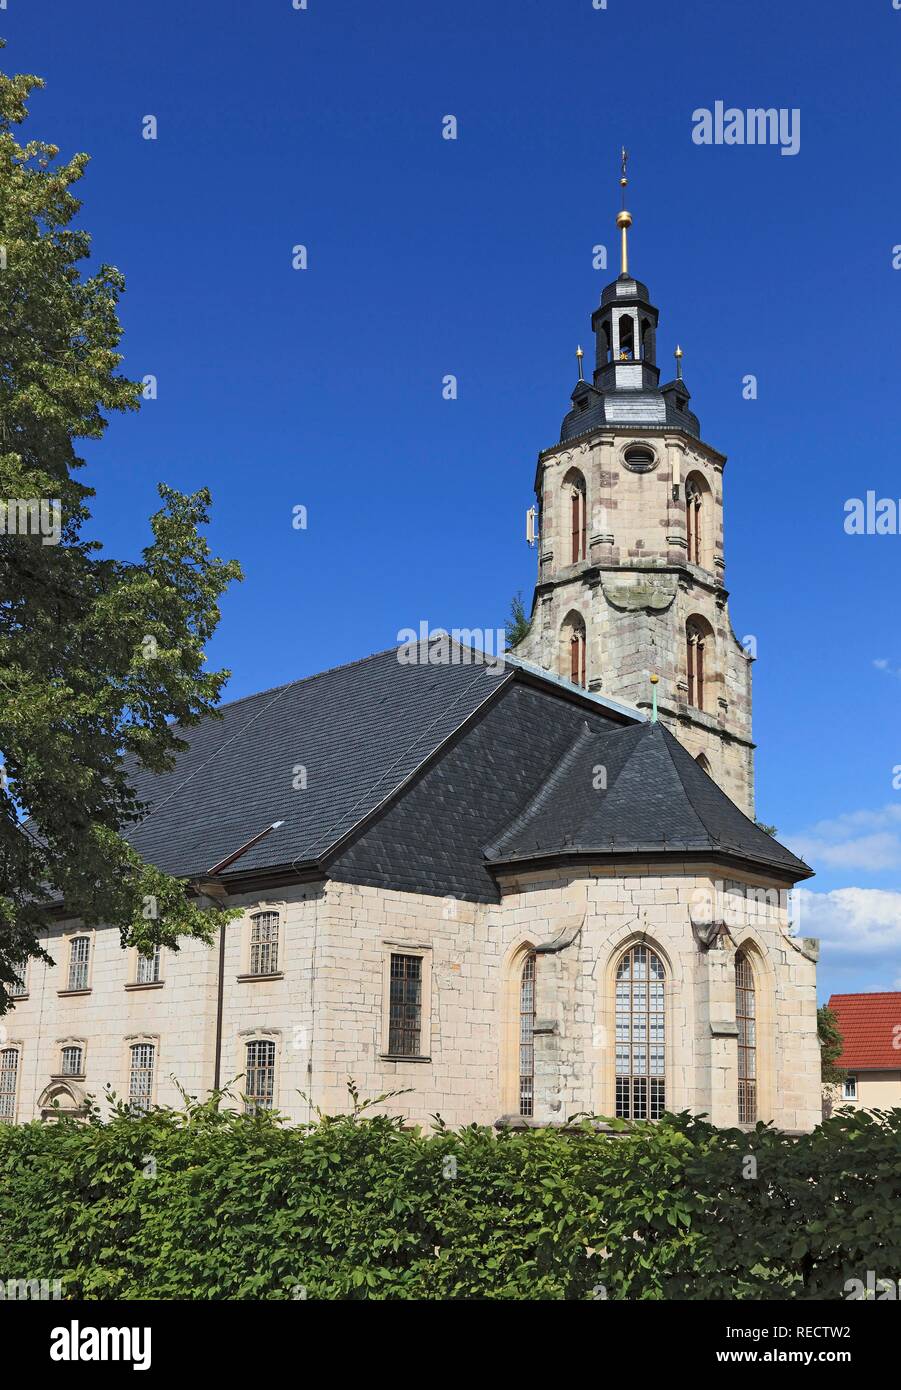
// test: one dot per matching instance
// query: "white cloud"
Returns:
(867, 840)
(859, 921)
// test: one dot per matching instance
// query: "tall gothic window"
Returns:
(696, 641)
(577, 657)
(693, 520)
(746, 1017)
(527, 1036)
(640, 1040)
(578, 522)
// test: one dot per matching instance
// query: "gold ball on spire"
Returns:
(624, 219)
(678, 352)
(654, 679)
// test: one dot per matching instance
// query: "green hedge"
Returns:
(204, 1203)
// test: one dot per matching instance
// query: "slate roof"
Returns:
(432, 838)
(359, 731)
(867, 1023)
(656, 799)
(427, 778)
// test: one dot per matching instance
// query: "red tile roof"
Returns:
(869, 1025)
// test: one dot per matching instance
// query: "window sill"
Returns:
(145, 984)
(401, 1057)
(68, 1076)
(71, 993)
(272, 975)
(15, 999)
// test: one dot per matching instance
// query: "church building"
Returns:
(512, 890)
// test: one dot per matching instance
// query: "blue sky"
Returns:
(322, 388)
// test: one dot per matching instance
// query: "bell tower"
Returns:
(631, 567)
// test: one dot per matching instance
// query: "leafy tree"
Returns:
(97, 655)
(831, 1043)
(518, 623)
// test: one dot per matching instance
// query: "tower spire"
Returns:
(624, 218)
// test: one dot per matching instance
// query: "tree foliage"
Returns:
(518, 622)
(97, 655)
(831, 1044)
(205, 1203)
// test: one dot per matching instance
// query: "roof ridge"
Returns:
(300, 680)
(711, 835)
(325, 845)
(538, 799)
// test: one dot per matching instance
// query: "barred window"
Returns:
(746, 1017)
(405, 1006)
(18, 987)
(9, 1073)
(72, 1061)
(264, 943)
(148, 971)
(140, 1081)
(260, 1077)
(527, 1036)
(79, 958)
(640, 1042)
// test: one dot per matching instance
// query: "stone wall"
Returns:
(327, 1009)
(636, 591)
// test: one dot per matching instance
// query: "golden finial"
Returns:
(579, 355)
(678, 356)
(624, 218)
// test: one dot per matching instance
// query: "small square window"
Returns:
(849, 1091)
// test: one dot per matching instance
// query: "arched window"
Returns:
(697, 641)
(147, 968)
(72, 1060)
(264, 943)
(140, 1076)
(577, 657)
(693, 520)
(573, 646)
(260, 1076)
(640, 1040)
(574, 486)
(9, 1075)
(79, 962)
(746, 1017)
(626, 337)
(527, 1036)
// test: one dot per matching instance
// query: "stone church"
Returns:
(512, 890)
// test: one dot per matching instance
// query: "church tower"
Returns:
(629, 530)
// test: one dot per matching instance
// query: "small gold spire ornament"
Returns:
(579, 355)
(678, 356)
(654, 682)
(624, 218)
